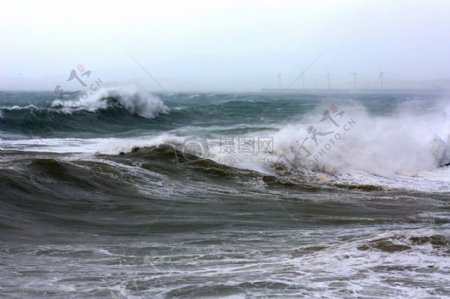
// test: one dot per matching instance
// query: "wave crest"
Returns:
(134, 100)
(401, 144)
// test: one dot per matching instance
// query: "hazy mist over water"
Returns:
(226, 45)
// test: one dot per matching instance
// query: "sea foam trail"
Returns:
(92, 146)
(134, 99)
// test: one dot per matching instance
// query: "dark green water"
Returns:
(213, 195)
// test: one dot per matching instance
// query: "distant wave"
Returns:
(91, 114)
(134, 100)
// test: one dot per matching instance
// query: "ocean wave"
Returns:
(399, 144)
(105, 111)
(273, 171)
(133, 99)
(409, 148)
(343, 146)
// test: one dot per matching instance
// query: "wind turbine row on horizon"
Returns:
(379, 82)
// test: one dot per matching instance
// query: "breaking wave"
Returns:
(134, 100)
(106, 111)
(406, 142)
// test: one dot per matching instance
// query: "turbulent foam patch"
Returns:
(371, 267)
(92, 146)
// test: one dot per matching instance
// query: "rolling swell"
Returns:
(111, 194)
(167, 158)
(55, 192)
(46, 194)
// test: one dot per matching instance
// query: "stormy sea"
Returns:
(126, 194)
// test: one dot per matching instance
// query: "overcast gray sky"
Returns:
(223, 45)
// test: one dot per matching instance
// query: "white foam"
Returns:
(15, 107)
(92, 146)
(363, 271)
(401, 144)
(133, 98)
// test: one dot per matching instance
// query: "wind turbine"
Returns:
(354, 80)
(327, 77)
(303, 78)
(279, 80)
(380, 79)
(304, 71)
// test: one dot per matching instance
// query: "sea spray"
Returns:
(401, 143)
